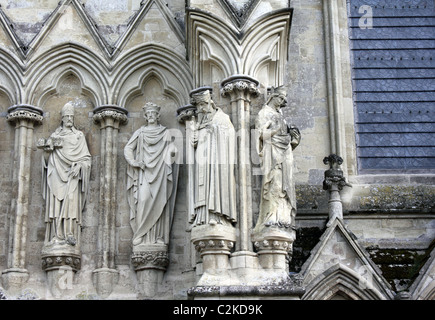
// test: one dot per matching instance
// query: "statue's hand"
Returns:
(294, 132)
(75, 170)
(139, 164)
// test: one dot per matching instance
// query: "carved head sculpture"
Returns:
(277, 96)
(203, 102)
(151, 113)
(68, 115)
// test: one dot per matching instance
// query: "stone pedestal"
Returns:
(60, 262)
(274, 248)
(150, 262)
(214, 244)
(104, 279)
(14, 279)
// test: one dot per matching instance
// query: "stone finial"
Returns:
(334, 182)
(334, 175)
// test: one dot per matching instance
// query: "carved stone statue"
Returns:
(65, 180)
(151, 180)
(215, 156)
(276, 141)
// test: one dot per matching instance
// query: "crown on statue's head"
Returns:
(149, 106)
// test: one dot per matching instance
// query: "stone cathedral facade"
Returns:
(109, 108)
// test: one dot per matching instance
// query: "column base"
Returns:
(104, 280)
(14, 279)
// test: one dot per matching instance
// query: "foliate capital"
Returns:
(102, 113)
(239, 84)
(25, 112)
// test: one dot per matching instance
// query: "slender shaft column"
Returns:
(109, 117)
(334, 183)
(25, 117)
(240, 89)
(186, 115)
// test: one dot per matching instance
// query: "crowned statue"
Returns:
(151, 179)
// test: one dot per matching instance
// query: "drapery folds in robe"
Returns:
(151, 183)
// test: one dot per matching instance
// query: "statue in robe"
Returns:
(65, 180)
(275, 143)
(152, 175)
(214, 140)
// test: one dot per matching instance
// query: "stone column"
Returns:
(109, 117)
(24, 117)
(334, 183)
(187, 116)
(240, 89)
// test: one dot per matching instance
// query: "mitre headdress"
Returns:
(68, 109)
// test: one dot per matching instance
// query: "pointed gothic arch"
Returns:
(73, 58)
(246, 51)
(11, 76)
(341, 280)
(147, 76)
(138, 64)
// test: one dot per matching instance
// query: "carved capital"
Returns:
(239, 84)
(186, 113)
(213, 246)
(25, 112)
(274, 246)
(213, 239)
(115, 113)
(57, 261)
(150, 260)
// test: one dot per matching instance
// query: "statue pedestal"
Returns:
(60, 261)
(214, 243)
(274, 247)
(150, 262)
(104, 279)
(14, 279)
